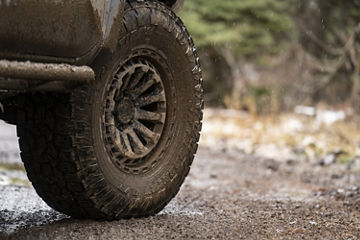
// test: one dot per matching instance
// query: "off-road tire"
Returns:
(63, 145)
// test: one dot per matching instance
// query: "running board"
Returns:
(33, 76)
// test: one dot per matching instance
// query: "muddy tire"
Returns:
(122, 147)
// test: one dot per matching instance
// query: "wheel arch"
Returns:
(176, 5)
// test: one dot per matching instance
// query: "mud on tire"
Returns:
(85, 152)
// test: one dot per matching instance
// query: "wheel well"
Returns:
(170, 3)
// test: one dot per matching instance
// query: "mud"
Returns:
(42, 71)
(228, 195)
(61, 31)
(49, 28)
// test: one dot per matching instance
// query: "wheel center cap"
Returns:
(125, 110)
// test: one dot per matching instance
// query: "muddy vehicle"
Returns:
(107, 99)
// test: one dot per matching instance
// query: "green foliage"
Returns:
(247, 27)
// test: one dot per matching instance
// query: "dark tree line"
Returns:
(316, 39)
(334, 43)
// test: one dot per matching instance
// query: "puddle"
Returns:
(20, 207)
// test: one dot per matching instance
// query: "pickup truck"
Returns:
(107, 98)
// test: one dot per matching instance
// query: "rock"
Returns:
(328, 117)
(313, 223)
(307, 177)
(337, 175)
(293, 125)
(330, 158)
(349, 194)
(272, 164)
(4, 180)
(305, 110)
(291, 162)
(340, 194)
(213, 176)
(354, 164)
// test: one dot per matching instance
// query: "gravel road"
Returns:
(228, 195)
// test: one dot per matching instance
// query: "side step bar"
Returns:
(33, 76)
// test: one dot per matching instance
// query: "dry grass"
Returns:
(284, 135)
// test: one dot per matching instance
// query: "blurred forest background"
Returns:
(268, 56)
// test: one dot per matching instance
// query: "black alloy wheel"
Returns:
(135, 114)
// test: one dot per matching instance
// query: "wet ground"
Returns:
(229, 194)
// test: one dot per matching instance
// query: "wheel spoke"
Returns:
(149, 99)
(118, 140)
(138, 146)
(149, 116)
(139, 74)
(147, 83)
(147, 134)
(121, 159)
(126, 142)
(126, 80)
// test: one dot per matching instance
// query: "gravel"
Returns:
(230, 194)
(224, 197)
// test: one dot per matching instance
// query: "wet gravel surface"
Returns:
(228, 195)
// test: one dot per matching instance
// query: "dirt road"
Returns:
(228, 195)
